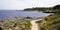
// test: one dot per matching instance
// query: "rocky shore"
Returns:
(16, 23)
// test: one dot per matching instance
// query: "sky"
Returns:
(22, 4)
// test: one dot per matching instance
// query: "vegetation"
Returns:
(57, 7)
(13, 23)
(52, 22)
(38, 9)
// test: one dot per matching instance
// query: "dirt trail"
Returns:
(34, 25)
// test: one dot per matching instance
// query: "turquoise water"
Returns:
(14, 13)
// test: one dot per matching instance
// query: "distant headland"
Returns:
(45, 9)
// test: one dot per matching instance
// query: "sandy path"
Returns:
(34, 25)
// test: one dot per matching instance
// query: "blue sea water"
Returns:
(18, 13)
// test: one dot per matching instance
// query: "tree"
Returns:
(57, 7)
(0, 28)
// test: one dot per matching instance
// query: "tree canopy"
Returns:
(57, 7)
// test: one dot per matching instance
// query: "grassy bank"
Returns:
(15, 24)
(52, 22)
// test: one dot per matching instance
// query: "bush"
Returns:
(55, 27)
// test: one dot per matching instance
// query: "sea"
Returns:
(21, 13)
